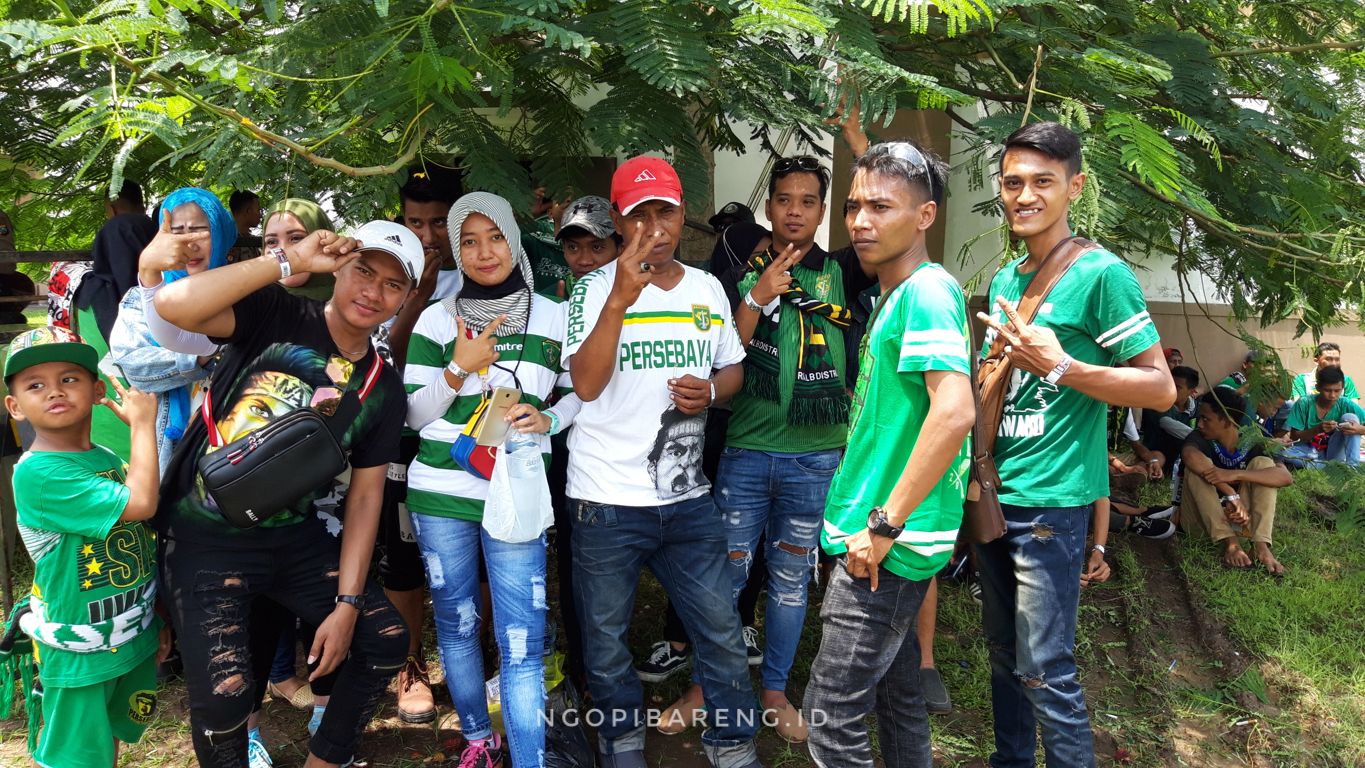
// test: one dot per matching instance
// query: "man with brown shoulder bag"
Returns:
(1061, 318)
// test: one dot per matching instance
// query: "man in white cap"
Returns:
(281, 353)
(650, 346)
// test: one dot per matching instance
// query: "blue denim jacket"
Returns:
(150, 367)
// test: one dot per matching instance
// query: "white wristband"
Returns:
(1057, 372)
(283, 258)
(457, 371)
(750, 303)
(712, 382)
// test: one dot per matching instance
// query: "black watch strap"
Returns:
(880, 526)
(355, 601)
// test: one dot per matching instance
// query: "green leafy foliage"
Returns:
(1228, 139)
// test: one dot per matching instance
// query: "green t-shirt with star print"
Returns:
(94, 577)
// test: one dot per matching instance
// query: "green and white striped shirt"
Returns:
(437, 485)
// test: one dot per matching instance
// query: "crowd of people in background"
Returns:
(737, 430)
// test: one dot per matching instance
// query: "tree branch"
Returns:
(275, 140)
(1344, 46)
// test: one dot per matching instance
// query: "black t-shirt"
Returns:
(1158, 439)
(1224, 459)
(279, 358)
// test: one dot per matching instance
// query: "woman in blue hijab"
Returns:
(177, 378)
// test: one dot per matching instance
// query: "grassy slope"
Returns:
(1309, 628)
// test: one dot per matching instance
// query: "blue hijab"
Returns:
(222, 228)
(223, 235)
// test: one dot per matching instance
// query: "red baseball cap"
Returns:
(644, 178)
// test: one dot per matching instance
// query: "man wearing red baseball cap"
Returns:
(650, 346)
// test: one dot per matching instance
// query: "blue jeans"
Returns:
(516, 577)
(784, 497)
(1340, 447)
(684, 545)
(1030, 592)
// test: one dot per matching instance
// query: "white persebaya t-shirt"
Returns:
(630, 446)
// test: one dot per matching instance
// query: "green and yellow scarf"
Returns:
(819, 395)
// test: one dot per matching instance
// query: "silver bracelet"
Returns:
(712, 382)
(1097, 547)
(457, 371)
(750, 303)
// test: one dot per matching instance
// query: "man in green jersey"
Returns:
(894, 506)
(1050, 448)
(1327, 356)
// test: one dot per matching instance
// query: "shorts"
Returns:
(81, 723)
(400, 560)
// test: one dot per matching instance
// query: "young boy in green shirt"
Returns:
(81, 513)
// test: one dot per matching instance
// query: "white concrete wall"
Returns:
(737, 175)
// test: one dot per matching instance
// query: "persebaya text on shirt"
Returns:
(646, 354)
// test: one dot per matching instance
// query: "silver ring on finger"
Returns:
(1008, 349)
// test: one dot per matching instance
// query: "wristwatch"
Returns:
(1062, 366)
(1097, 548)
(457, 371)
(880, 526)
(751, 303)
(355, 601)
(283, 258)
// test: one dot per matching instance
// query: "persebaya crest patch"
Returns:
(822, 284)
(701, 317)
(550, 349)
(141, 705)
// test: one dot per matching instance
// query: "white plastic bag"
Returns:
(518, 505)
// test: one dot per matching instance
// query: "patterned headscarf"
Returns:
(481, 304)
(222, 229)
(309, 214)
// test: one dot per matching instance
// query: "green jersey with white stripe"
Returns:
(921, 326)
(1051, 449)
(530, 361)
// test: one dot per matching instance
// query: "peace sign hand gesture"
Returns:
(1029, 347)
(171, 251)
(777, 277)
(633, 273)
(479, 352)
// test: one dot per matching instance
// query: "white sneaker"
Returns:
(751, 646)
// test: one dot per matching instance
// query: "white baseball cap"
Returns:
(396, 240)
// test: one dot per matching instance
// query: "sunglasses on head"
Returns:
(798, 163)
(908, 154)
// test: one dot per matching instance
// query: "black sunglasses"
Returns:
(799, 163)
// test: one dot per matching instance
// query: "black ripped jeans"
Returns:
(211, 584)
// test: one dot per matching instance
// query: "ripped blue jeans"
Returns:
(778, 500)
(516, 578)
(1031, 589)
(1030, 592)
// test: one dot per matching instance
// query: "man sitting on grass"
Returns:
(1325, 425)
(1230, 483)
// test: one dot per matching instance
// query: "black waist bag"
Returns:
(261, 474)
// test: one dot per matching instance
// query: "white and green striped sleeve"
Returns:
(429, 396)
(1121, 323)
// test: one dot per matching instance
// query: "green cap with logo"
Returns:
(49, 344)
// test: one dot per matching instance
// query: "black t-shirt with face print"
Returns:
(280, 357)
